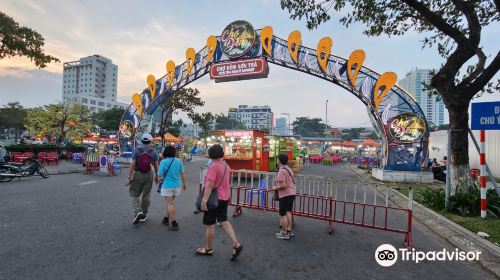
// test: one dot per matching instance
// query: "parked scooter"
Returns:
(29, 166)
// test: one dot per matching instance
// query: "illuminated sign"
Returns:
(406, 127)
(237, 38)
(253, 68)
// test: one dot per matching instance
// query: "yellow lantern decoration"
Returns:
(190, 60)
(323, 52)
(137, 100)
(151, 80)
(356, 59)
(293, 44)
(266, 37)
(384, 83)
(211, 46)
(170, 72)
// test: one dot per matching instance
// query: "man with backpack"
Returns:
(144, 160)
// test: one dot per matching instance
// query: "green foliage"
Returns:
(205, 121)
(59, 120)
(45, 148)
(351, 133)
(327, 161)
(433, 198)
(12, 116)
(18, 40)
(224, 122)
(109, 119)
(309, 127)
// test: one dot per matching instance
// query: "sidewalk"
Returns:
(455, 234)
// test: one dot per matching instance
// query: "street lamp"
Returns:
(289, 130)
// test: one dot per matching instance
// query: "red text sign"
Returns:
(239, 70)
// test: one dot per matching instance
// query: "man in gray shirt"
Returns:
(143, 169)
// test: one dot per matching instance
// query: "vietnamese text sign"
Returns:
(239, 70)
(485, 116)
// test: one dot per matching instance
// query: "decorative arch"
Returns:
(384, 100)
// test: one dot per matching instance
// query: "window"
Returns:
(101, 104)
(85, 100)
(108, 105)
(92, 102)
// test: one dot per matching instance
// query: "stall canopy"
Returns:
(348, 144)
(370, 143)
(171, 138)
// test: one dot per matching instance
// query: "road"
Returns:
(78, 226)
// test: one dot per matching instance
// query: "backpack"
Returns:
(144, 161)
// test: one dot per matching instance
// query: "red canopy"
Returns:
(348, 144)
(370, 143)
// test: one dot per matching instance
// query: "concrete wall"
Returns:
(402, 176)
(439, 141)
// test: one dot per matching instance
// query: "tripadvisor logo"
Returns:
(387, 255)
(237, 39)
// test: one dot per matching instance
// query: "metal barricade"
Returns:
(323, 198)
(91, 163)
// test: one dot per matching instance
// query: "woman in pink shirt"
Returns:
(217, 177)
(285, 185)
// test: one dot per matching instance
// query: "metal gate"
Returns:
(323, 198)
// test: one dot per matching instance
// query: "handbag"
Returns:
(213, 199)
(275, 195)
(161, 183)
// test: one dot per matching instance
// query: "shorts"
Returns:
(286, 204)
(218, 215)
(170, 191)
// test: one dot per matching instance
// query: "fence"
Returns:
(323, 198)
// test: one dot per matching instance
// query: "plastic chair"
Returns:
(261, 191)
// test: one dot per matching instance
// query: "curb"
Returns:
(66, 172)
(451, 231)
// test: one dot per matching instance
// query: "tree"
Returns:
(454, 27)
(308, 127)
(351, 133)
(18, 40)
(224, 122)
(205, 122)
(109, 119)
(12, 116)
(59, 120)
(184, 100)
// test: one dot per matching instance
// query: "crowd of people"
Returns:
(167, 171)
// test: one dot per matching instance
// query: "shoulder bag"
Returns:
(165, 176)
(275, 195)
(213, 199)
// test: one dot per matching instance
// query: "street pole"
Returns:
(492, 179)
(326, 114)
(448, 172)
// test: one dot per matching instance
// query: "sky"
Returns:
(141, 36)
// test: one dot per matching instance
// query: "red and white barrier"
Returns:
(482, 178)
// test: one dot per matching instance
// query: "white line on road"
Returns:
(88, 183)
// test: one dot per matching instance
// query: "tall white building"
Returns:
(92, 82)
(434, 110)
(253, 117)
(281, 126)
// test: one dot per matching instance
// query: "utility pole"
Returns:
(326, 114)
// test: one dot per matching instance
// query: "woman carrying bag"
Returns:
(285, 186)
(217, 180)
(171, 170)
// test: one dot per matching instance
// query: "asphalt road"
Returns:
(78, 226)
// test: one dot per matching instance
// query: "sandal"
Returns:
(237, 252)
(203, 251)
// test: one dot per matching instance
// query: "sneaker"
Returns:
(291, 233)
(138, 218)
(174, 226)
(143, 220)
(165, 221)
(282, 235)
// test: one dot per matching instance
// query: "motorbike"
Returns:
(28, 167)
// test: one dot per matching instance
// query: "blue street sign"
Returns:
(485, 116)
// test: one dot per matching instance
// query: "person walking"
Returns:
(171, 170)
(285, 186)
(143, 169)
(217, 177)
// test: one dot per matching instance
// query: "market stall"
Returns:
(245, 149)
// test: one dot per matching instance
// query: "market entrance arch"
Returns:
(241, 52)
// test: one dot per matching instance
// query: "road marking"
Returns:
(88, 183)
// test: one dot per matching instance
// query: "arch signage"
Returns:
(237, 39)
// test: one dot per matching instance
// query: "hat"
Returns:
(146, 138)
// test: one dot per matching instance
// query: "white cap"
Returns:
(146, 138)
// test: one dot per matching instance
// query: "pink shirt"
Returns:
(214, 174)
(286, 180)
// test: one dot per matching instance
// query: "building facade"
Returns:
(92, 82)
(281, 126)
(253, 117)
(434, 109)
